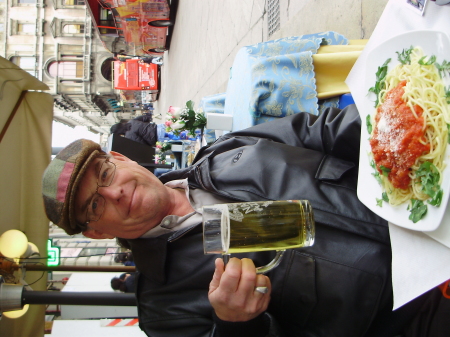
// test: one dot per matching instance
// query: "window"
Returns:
(67, 3)
(72, 29)
(26, 29)
(22, 27)
(67, 28)
(74, 2)
(69, 52)
(107, 20)
(111, 250)
(66, 69)
(27, 63)
(92, 251)
(69, 57)
(70, 252)
(15, 3)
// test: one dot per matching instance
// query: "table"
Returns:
(275, 79)
(278, 78)
(419, 262)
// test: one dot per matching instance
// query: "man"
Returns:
(140, 129)
(341, 286)
(125, 283)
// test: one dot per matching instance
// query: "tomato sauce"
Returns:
(398, 137)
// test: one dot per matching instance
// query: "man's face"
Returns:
(135, 202)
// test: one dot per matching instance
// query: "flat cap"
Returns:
(60, 183)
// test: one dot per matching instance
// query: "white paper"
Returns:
(419, 264)
(442, 233)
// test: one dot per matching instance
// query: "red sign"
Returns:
(134, 74)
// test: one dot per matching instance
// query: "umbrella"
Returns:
(26, 116)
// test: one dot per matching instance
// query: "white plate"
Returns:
(433, 43)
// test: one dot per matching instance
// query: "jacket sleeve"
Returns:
(335, 132)
(172, 289)
(144, 118)
(145, 133)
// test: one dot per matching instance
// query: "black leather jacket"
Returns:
(142, 132)
(338, 287)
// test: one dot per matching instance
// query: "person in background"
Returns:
(154, 59)
(126, 283)
(119, 129)
(140, 129)
(125, 258)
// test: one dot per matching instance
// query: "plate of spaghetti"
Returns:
(404, 171)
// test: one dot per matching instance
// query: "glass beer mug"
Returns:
(258, 226)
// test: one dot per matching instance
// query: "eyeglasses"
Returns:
(96, 206)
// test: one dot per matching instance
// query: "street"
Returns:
(208, 34)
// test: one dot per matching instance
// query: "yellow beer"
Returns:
(271, 225)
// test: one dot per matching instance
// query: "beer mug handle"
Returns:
(264, 269)
(272, 264)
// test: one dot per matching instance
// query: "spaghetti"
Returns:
(410, 136)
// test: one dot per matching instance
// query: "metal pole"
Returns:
(39, 267)
(78, 298)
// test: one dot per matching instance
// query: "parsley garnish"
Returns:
(384, 197)
(437, 199)
(430, 61)
(385, 170)
(448, 133)
(429, 177)
(379, 84)
(418, 210)
(369, 125)
(447, 94)
(443, 68)
(376, 174)
(405, 56)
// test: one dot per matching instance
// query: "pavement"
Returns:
(208, 34)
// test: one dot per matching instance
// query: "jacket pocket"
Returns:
(296, 296)
(332, 168)
(326, 298)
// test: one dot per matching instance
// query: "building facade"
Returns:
(56, 41)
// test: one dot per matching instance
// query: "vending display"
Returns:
(134, 74)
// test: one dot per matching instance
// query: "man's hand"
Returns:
(232, 291)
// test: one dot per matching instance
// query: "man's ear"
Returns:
(118, 156)
(95, 234)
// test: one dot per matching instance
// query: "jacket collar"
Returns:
(150, 254)
(150, 257)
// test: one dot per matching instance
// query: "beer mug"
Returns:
(246, 227)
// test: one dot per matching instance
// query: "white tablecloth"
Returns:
(419, 262)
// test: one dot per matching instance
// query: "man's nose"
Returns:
(110, 192)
